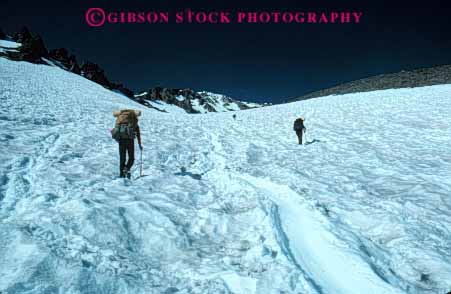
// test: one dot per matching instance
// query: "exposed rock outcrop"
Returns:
(68, 61)
(404, 79)
(95, 73)
(22, 36)
(33, 49)
(192, 101)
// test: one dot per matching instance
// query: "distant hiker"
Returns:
(299, 128)
(234, 116)
(124, 132)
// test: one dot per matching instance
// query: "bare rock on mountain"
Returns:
(121, 88)
(95, 73)
(75, 68)
(22, 36)
(192, 101)
(171, 96)
(33, 49)
(68, 61)
(404, 79)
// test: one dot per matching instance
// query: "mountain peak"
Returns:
(190, 100)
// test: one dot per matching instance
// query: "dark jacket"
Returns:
(298, 125)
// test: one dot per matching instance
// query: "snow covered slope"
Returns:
(227, 206)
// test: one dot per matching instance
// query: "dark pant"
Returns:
(299, 134)
(126, 146)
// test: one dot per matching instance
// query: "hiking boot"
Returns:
(127, 173)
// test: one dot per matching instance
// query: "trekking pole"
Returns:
(305, 137)
(141, 168)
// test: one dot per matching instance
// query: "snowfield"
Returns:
(226, 206)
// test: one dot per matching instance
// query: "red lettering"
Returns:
(299, 17)
(131, 17)
(264, 17)
(357, 16)
(112, 17)
(323, 18)
(201, 17)
(225, 17)
(141, 17)
(179, 17)
(333, 17)
(311, 17)
(213, 17)
(345, 17)
(252, 17)
(152, 17)
(190, 16)
(287, 17)
(276, 16)
(241, 16)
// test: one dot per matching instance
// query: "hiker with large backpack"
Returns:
(125, 130)
(299, 128)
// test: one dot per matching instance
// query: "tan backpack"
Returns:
(126, 123)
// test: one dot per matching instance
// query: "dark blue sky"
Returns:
(271, 63)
